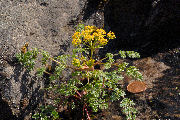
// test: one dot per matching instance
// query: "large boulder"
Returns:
(147, 26)
(43, 24)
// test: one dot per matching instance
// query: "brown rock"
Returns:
(136, 87)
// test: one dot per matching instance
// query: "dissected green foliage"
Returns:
(46, 113)
(87, 86)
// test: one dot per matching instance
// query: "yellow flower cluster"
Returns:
(76, 62)
(101, 32)
(102, 40)
(87, 33)
(92, 34)
(111, 35)
(76, 38)
(91, 28)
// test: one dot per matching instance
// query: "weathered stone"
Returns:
(42, 24)
(147, 26)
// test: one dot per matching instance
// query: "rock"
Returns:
(150, 69)
(44, 24)
(136, 87)
(147, 26)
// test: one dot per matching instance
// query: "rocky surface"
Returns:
(146, 26)
(42, 24)
(48, 24)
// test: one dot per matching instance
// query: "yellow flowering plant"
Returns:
(87, 89)
(92, 38)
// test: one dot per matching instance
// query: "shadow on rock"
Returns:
(5, 110)
(25, 90)
(145, 26)
(91, 7)
(28, 105)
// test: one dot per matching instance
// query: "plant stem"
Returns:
(54, 60)
(100, 61)
(102, 87)
(85, 107)
(47, 73)
(92, 49)
(78, 94)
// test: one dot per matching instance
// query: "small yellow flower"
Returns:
(111, 35)
(102, 40)
(83, 33)
(90, 27)
(76, 62)
(87, 27)
(95, 34)
(76, 35)
(76, 41)
(101, 31)
(88, 38)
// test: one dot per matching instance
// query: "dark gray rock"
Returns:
(41, 23)
(44, 24)
(147, 26)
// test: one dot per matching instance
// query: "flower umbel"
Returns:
(92, 35)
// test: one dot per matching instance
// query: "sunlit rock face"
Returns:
(44, 24)
(147, 26)
(41, 23)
